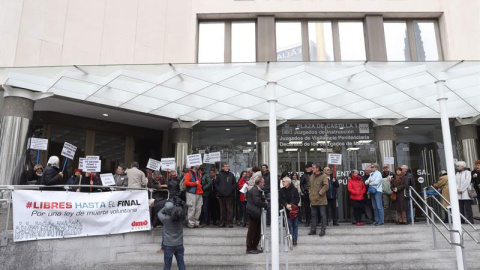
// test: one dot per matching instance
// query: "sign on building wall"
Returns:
(53, 214)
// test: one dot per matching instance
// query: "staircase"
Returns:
(344, 247)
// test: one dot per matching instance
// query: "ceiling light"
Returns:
(322, 142)
(297, 128)
(364, 141)
(295, 142)
(318, 149)
(227, 129)
(291, 149)
(407, 127)
(105, 114)
(249, 143)
(341, 128)
(353, 148)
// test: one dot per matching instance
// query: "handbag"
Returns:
(293, 212)
(471, 192)
(372, 190)
(393, 196)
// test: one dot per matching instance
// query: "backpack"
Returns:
(182, 182)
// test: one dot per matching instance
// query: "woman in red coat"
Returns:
(356, 188)
(243, 202)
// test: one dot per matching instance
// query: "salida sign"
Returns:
(313, 134)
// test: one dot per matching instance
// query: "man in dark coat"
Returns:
(225, 186)
(52, 175)
(255, 203)
(332, 208)
(305, 188)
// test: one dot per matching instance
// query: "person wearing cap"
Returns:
(75, 178)
(476, 181)
(442, 184)
(52, 174)
(463, 180)
(305, 188)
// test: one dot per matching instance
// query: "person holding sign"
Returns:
(92, 179)
(332, 196)
(52, 175)
(193, 184)
(225, 185)
(136, 178)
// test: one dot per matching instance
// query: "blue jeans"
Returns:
(293, 227)
(377, 200)
(206, 210)
(168, 253)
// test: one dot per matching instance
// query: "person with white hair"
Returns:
(52, 174)
(290, 198)
(463, 180)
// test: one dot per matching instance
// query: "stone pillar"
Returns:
(385, 140)
(263, 145)
(17, 115)
(182, 140)
(467, 137)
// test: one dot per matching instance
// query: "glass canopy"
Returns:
(304, 90)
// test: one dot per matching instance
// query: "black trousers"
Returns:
(306, 208)
(332, 210)
(319, 211)
(466, 209)
(254, 233)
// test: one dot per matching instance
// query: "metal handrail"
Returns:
(461, 244)
(264, 236)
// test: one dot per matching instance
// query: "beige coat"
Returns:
(136, 178)
(318, 189)
(442, 184)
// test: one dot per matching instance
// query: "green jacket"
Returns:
(206, 185)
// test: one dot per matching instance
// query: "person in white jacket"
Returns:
(464, 178)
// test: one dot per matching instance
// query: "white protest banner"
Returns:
(38, 144)
(92, 165)
(389, 160)
(206, 159)
(214, 157)
(81, 163)
(154, 164)
(194, 160)
(335, 159)
(168, 164)
(93, 157)
(55, 214)
(69, 150)
(107, 179)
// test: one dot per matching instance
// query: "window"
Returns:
(211, 43)
(397, 42)
(352, 41)
(426, 41)
(289, 41)
(243, 42)
(214, 36)
(320, 41)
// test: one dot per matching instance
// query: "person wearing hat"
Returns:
(476, 182)
(52, 174)
(305, 191)
(463, 180)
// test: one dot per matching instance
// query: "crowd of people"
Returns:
(220, 199)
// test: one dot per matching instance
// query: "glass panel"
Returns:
(289, 41)
(111, 149)
(352, 41)
(396, 39)
(425, 41)
(243, 42)
(211, 42)
(320, 41)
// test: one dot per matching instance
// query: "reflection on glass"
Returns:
(320, 41)
(289, 41)
(211, 42)
(243, 42)
(111, 149)
(425, 41)
(352, 41)
(396, 39)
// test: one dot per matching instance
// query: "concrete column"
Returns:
(385, 139)
(90, 143)
(182, 140)
(266, 44)
(375, 38)
(129, 150)
(467, 136)
(17, 115)
(263, 145)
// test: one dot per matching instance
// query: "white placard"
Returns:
(53, 214)
(214, 157)
(154, 164)
(365, 165)
(194, 160)
(69, 150)
(168, 164)
(92, 165)
(38, 144)
(389, 160)
(206, 159)
(335, 159)
(244, 188)
(107, 179)
(81, 163)
(93, 157)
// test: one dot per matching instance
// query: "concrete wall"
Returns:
(65, 32)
